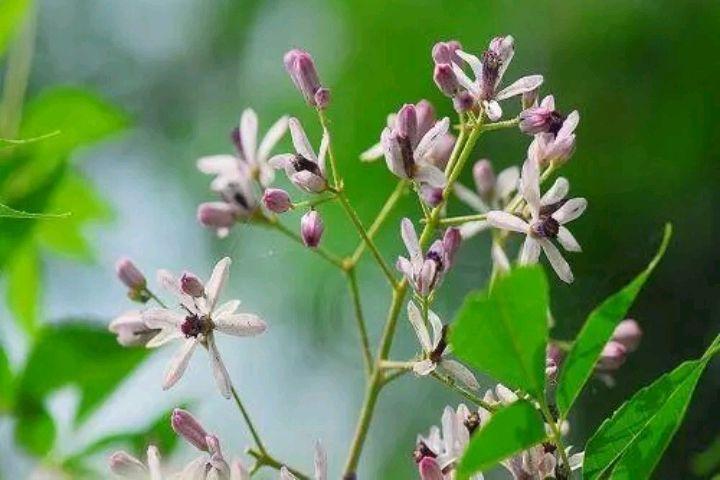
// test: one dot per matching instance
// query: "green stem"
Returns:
(313, 202)
(464, 392)
(364, 341)
(395, 365)
(266, 460)
(333, 163)
(248, 422)
(489, 127)
(450, 221)
(152, 295)
(324, 254)
(556, 433)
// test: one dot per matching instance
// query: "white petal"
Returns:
(530, 186)
(393, 156)
(153, 460)
(569, 125)
(222, 378)
(464, 80)
(431, 175)
(567, 240)
(164, 336)
(171, 284)
(507, 182)
(217, 164)
(248, 134)
(493, 110)
(282, 160)
(405, 267)
(530, 251)
(449, 429)
(179, 362)
(372, 153)
(470, 229)
(504, 394)
(226, 308)
(214, 286)
(418, 325)
(320, 461)
(506, 221)
(470, 198)
(437, 327)
(499, 257)
(557, 192)
(571, 210)
(461, 373)
(576, 460)
(473, 61)
(286, 475)
(548, 102)
(407, 232)
(238, 471)
(162, 318)
(561, 267)
(300, 140)
(271, 138)
(324, 146)
(522, 85)
(424, 367)
(427, 142)
(240, 324)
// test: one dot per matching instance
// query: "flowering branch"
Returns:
(324, 254)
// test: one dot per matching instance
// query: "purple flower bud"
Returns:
(445, 52)
(129, 274)
(322, 97)
(484, 177)
(612, 357)
(406, 122)
(125, 465)
(432, 196)
(213, 445)
(301, 68)
(555, 353)
(463, 102)
(428, 275)
(529, 98)
(189, 428)
(425, 113)
(445, 79)
(551, 368)
(276, 200)
(311, 228)
(451, 244)
(429, 469)
(216, 215)
(191, 285)
(502, 47)
(628, 333)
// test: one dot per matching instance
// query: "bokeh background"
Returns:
(643, 75)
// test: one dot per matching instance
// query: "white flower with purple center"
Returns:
(489, 73)
(196, 323)
(304, 169)
(548, 216)
(435, 349)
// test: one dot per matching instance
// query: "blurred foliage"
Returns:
(11, 12)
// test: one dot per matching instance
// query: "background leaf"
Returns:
(585, 352)
(6, 378)
(8, 212)
(504, 333)
(23, 292)
(630, 443)
(35, 429)
(11, 12)
(510, 430)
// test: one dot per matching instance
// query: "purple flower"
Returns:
(276, 200)
(430, 470)
(541, 119)
(555, 148)
(301, 68)
(304, 169)
(311, 228)
(445, 79)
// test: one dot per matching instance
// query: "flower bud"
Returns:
(322, 97)
(125, 465)
(445, 79)
(191, 285)
(429, 469)
(536, 120)
(440, 154)
(311, 228)
(406, 122)
(432, 196)
(189, 428)
(445, 52)
(628, 333)
(612, 357)
(463, 102)
(551, 368)
(131, 330)
(216, 215)
(276, 200)
(129, 274)
(502, 47)
(301, 68)
(451, 243)
(555, 353)
(425, 113)
(484, 177)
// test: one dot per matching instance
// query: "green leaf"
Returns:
(23, 291)
(11, 12)
(6, 382)
(8, 212)
(597, 331)
(25, 141)
(35, 428)
(629, 444)
(504, 333)
(509, 431)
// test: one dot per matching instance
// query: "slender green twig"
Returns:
(360, 320)
(450, 221)
(488, 127)
(556, 433)
(267, 460)
(324, 254)
(333, 163)
(152, 295)
(314, 202)
(464, 392)
(248, 422)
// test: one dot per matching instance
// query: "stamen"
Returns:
(301, 163)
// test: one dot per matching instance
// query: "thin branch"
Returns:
(464, 392)
(488, 127)
(267, 460)
(360, 320)
(450, 221)
(324, 254)
(248, 422)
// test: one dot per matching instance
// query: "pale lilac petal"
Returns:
(576, 460)
(567, 240)
(473, 61)
(282, 160)
(499, 257)
(449, 429)
(460, 372)
(323, 152)
(222, 378)
(162, 318)
(407, 232)
(437, 327)
(300, 140)
(493, 110)
(548, 102)
(419, 327)
(240, 324)
(164, 336)
(431, 175)
(424, 367)
(171, 284)
(308, 181)
(271, 138)
(520, 86)
(393, 156)
(507, 182)
(470, 229)
(530, 252)
(179, 362)
(214, 286)
(238, 471)
(571, 210)
(248, 135)
(373, 153)
(506, 221)
(464, 80)
(470, 198)
(320, 462)
(428, 141)
(569, 125)
(404, 266)
(153, 460)
(505, 395)
(218, 164)
(557, 192)
(226, 308)
(530, 186)
(561, 267)
(286, 475)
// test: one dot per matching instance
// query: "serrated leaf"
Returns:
(580, 363)
(509, 431)
(504, 333)
(23, 290)
(629, 444)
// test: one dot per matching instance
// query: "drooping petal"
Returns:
(473, 61)
(428, 141)
(569, 125)
(179, 362)
(470, 229)
(271, 138)
(217, 280)
(561, 267)
(320, 462)
(431, 175)
(424, 367)
(222, 378)
(240, 324)
(470, 198)
(493, 110)
(530, 252)
(530, 186)
(419, 327)
(506, 221)
(567, 240)
(248, 135)
(300, 140)
(520, 86)
(460, 372)
(407, 232)
(282, 160)
(571, 210)
(437, 327)
(372, 153)
(557, 192)
(507, 182)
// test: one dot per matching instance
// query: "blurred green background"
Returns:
(643, 74)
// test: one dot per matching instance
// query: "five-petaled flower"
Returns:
(196, 323)
(304, 169)
(488, 74)
(548, 216)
